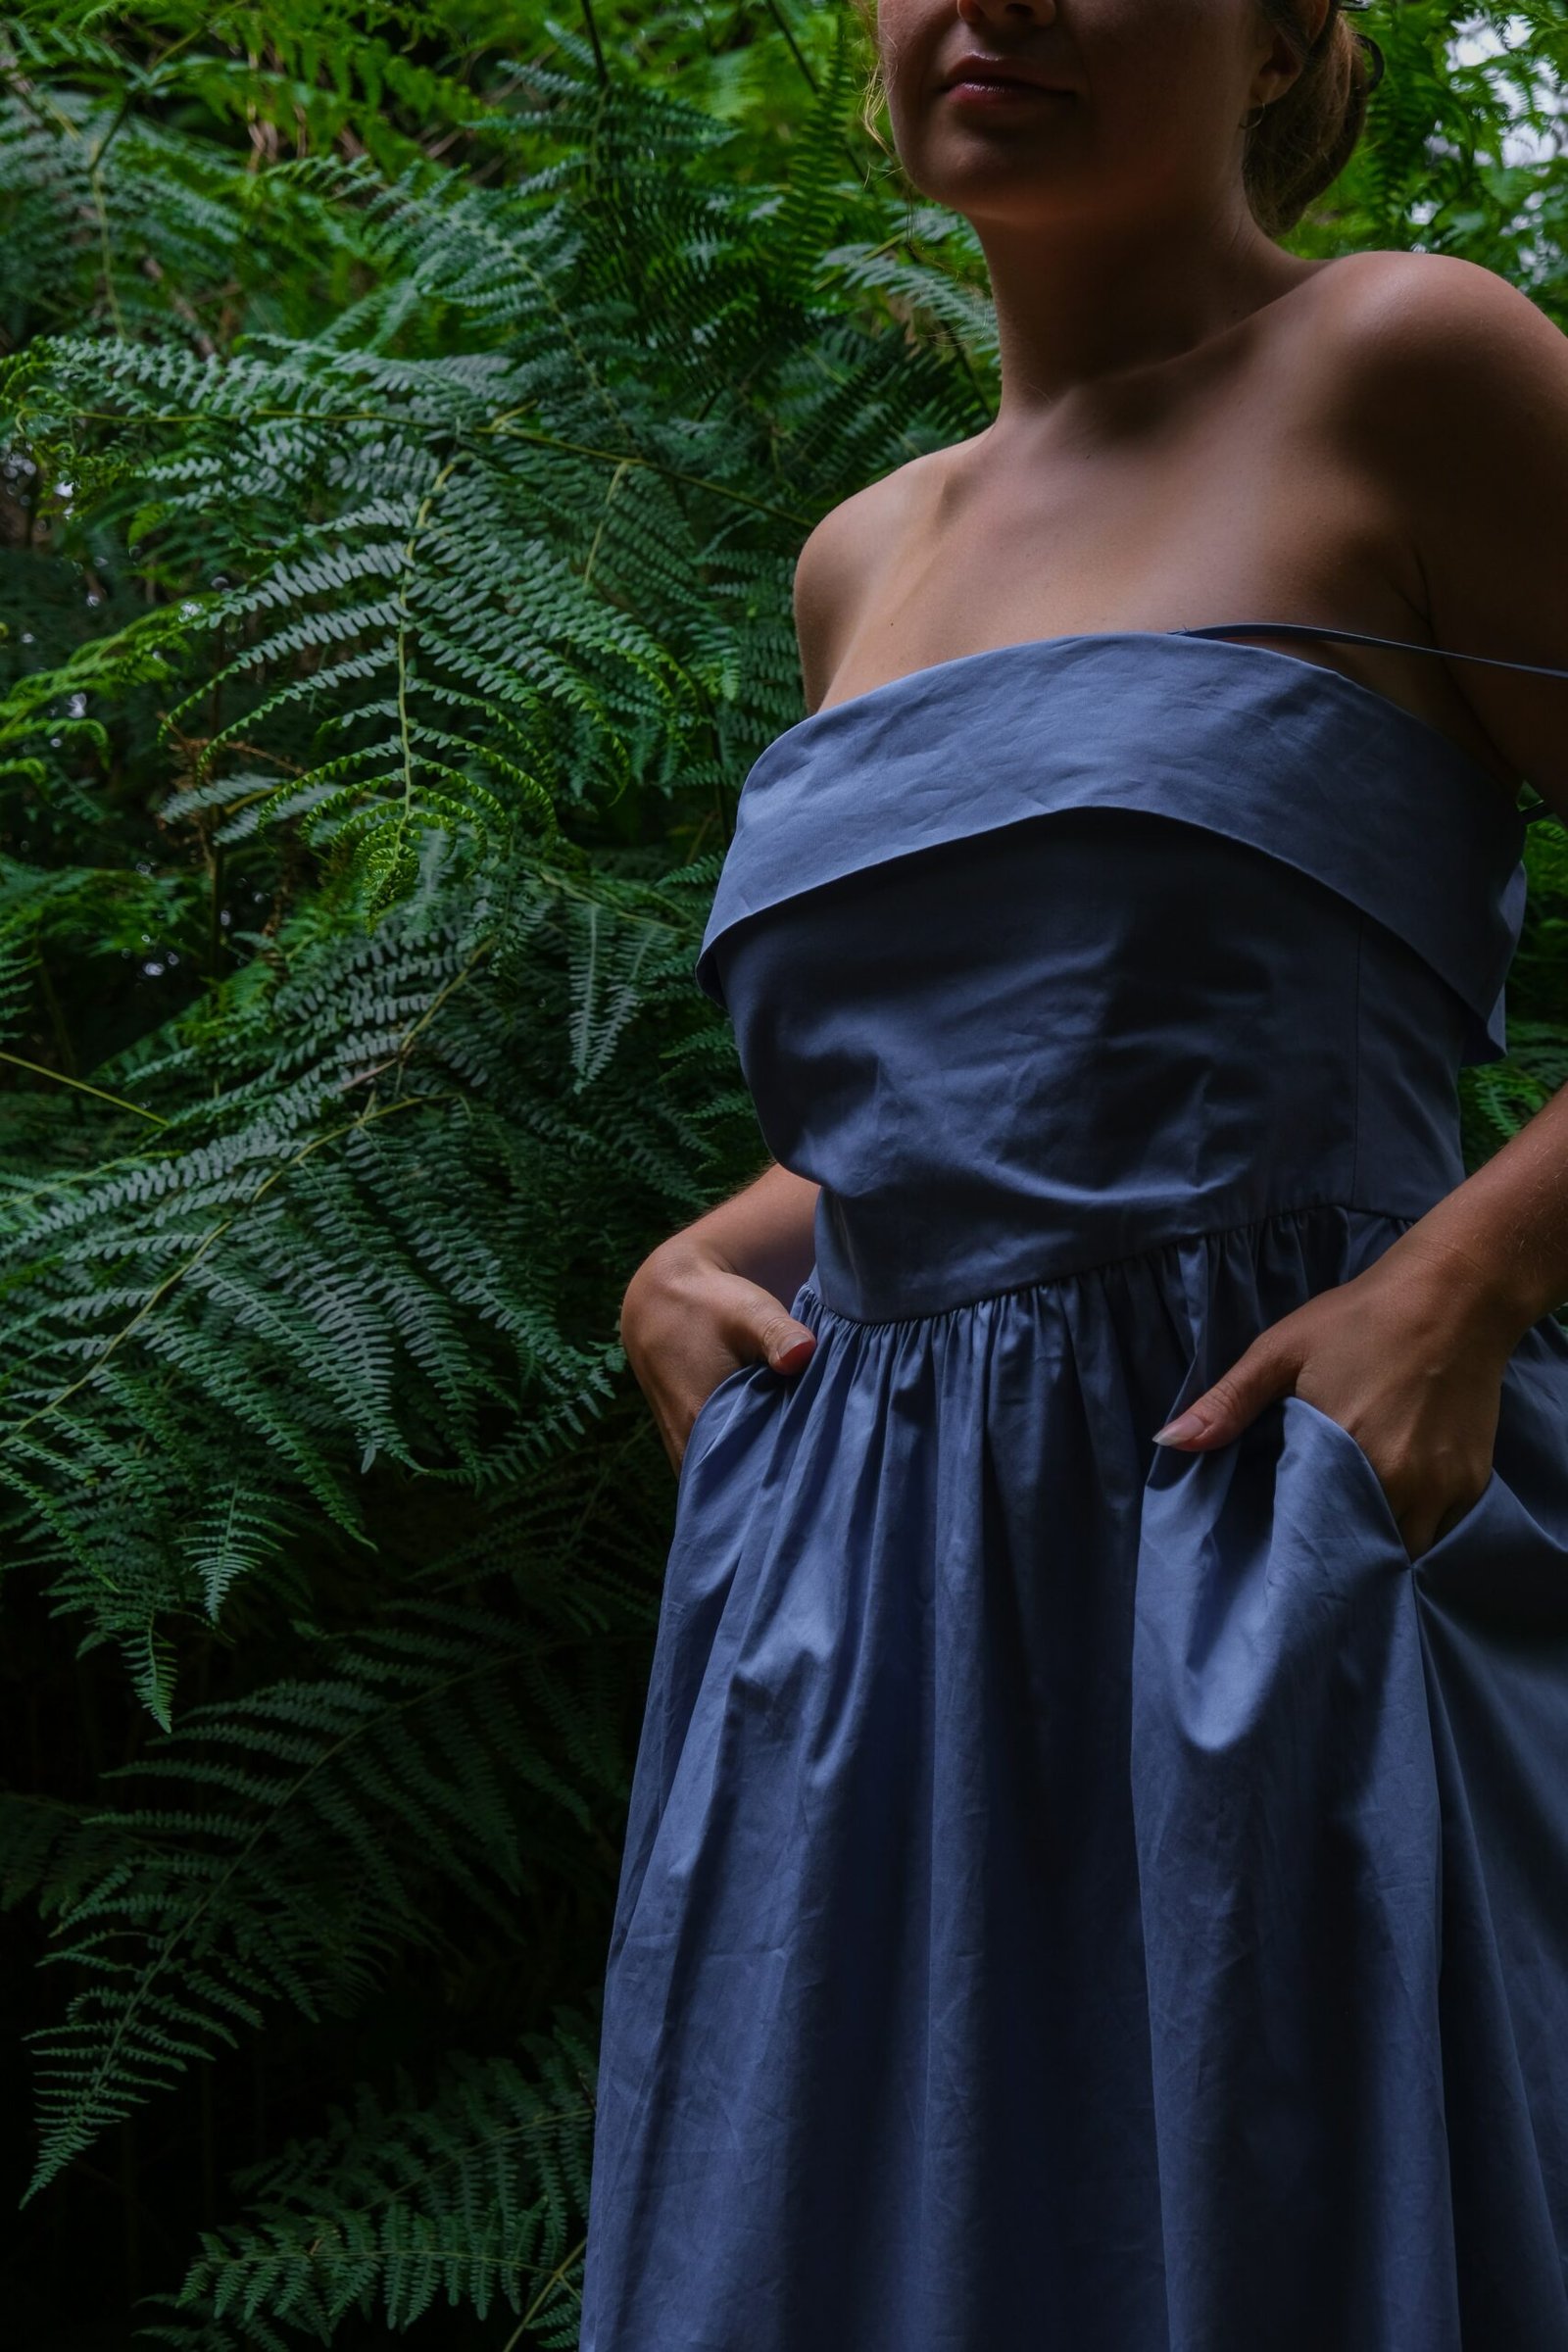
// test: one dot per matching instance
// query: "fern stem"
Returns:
(396, 1059)
(448, 989)
(101, 208)
(600, 67)
(405, 731)
(554, 2280)
(385, 1110)
(603, 524)
(783, 24)
(122, 114)
(81, 1086)
(503, 428)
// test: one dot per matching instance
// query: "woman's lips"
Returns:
(978, 92)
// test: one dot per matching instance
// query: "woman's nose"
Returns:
(1019, 13)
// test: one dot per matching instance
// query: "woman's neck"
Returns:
(1090, 301)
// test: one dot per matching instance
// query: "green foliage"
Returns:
(408, 420)
(470, 2195)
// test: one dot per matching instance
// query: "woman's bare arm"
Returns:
(715, 1297)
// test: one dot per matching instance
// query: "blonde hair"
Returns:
(1300, 142)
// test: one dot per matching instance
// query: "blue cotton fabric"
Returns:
(1077, 1894)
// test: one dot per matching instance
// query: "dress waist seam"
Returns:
(809, 1290)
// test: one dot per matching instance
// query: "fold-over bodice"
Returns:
(1048, 955)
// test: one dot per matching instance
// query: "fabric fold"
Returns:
(1143, 720)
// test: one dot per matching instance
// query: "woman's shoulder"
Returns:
(1398, 327)
(1428, 367)
(1416, 368)
(855, 547)
(1446, 388)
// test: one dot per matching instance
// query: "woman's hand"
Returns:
(1406, 1358)
(686, 1319)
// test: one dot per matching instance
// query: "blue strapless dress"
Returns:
(1077, 1894)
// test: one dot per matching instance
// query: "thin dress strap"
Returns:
(1401, 644)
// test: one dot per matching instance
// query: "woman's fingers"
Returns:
(774, 1335)
(687, 1320)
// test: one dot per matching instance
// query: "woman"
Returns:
(1097, 1868)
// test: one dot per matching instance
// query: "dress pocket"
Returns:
(1359, 1467)
(1273, 1614)
(711, 1417)
(1332, 1442)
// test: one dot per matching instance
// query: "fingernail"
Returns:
(1177, 1432)
(782, 1362)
